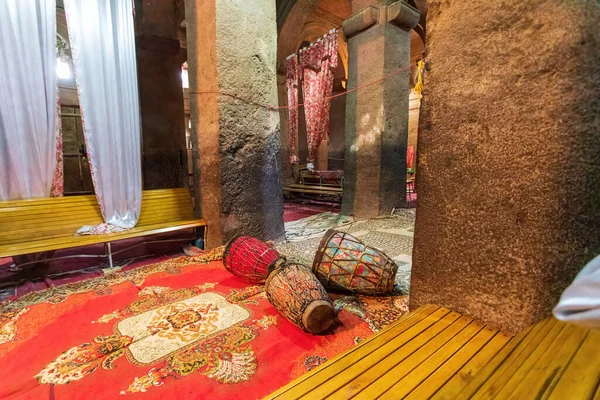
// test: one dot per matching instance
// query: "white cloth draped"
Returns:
(580, 302)
(28, 98)
(103, 48)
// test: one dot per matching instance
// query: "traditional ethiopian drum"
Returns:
(344, 263)
(250, 259)
(299, 297)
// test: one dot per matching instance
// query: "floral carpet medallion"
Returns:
(186, 329)
(180, 328)
(8, 325)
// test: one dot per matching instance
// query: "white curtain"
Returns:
(580, 302)
(103, 49)
(28, 98)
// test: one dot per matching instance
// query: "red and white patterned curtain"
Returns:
(318, 63)
(291, 82)
(58, 182)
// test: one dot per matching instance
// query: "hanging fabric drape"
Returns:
(28, 98)
(103, 48)
(318, 63)
(58, 181)
(291, 82)
(580, 302)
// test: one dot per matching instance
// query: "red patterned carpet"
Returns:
(176, 329)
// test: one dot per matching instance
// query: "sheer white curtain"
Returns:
(28, 98)
(103, 49)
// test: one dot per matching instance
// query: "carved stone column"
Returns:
(161, 107)
(236, 146)
(378, 36)
(509, 168)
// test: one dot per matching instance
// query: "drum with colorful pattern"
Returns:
(250, 259)
(344, 263)
(300, 298)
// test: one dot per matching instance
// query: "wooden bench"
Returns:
(434, 353)
(46, 225)
(323, 183)
(313, 189)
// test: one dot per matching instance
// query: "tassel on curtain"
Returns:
(29, 125)
(291, 82)
(103, 47)
(318, 63)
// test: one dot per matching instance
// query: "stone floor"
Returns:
(391, 234)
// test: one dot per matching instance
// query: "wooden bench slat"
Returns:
(543, 374)
(16, 222)
(68, 208)
(425, 368)
(76, 241)
(442, 373)
(496, 363)
(35, 232)
(464, 374)
(362, 380)
(146, 195)
(316, 187)
(94, 217)
(510, 366)
(323, 192)
(88, 219)
(534, 356)
(43, 218)
(90, 239)
(322, 373)
(580, 379)
(406, 366)
(352, 367)
(38, 225)
(458, 358)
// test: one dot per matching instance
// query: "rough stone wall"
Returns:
(161, 106)
(376, 119)
(204, 115)
(249, 139)
(161, 98)
(509, 156)
(337, 133)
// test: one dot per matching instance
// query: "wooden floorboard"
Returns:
(437, 353)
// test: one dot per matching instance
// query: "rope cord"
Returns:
(277, 108)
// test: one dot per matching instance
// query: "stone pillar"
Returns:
(232, 49)
(509, 174)
(378, 36)
(161, 105)
(161, 98)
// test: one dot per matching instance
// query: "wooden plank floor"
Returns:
(436, 353)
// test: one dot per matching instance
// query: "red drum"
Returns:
(250, 259)
(344, 263)
(300, 298)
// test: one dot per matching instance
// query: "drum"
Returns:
(300, 298)
(250, 259)
(344, 263)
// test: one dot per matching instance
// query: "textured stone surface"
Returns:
(161, 107)
(376, 119)
(509, 156)
(234, 50)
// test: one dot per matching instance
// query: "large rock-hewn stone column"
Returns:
(509, 157)
(232, 48)
(161, 99)
(377, 116)
(161, 106)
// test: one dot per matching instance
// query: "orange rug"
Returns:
(176, 329)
